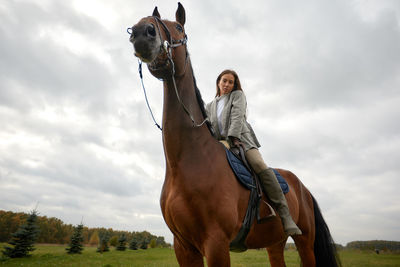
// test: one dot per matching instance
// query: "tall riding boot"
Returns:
(274, 192)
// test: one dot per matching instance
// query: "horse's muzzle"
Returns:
(145, 41)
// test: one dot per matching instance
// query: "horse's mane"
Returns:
(201, 104)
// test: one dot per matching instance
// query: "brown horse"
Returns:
(202, 202)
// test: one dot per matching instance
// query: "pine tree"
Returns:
(133, 244)
(75, 245)
(144, 244)
(103, 244)
(121, 242)
(24, 238)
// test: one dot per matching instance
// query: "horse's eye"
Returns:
(179, 27)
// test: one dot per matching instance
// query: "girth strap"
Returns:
(253, 209)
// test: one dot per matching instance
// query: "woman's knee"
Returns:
(255, 160)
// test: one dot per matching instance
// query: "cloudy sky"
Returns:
(322, 80)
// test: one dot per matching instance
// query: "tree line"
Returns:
(55, 231)
(382, 245)
(371, 245)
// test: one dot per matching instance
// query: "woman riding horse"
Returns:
(227, 113)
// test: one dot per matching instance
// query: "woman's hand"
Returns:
(235, 142)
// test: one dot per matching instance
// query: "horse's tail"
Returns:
(324, 246)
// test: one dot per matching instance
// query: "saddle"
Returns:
(247, 177)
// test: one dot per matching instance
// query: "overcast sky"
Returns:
(322, 80)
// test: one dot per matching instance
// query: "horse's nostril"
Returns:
(151, 31)
(133, 32)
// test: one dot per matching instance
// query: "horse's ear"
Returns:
(155, 13)
(180, 14)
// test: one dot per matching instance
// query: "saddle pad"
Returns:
(244, 176)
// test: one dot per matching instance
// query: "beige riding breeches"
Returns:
(254, 158)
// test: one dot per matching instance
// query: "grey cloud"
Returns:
(45, 70)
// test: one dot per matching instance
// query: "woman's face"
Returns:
(226, 84)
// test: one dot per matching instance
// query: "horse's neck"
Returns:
(180, 138)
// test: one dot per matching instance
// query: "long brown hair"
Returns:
(236, 84)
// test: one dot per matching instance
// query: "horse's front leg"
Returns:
(217, 251)
(187, 255)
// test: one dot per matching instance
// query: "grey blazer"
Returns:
(233, 120)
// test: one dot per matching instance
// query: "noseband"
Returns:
(167, 46)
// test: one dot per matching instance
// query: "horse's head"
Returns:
(161, 43)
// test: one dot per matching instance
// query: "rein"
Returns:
(145, 95)
(167, 47)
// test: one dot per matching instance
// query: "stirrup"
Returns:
(266, 218)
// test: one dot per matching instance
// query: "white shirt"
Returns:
(220, 107)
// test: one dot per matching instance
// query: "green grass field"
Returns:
(45, 255)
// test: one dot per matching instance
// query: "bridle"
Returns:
(167, 46)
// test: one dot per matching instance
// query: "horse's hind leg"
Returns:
(275, 254)
(305, 247)
(187, 256)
